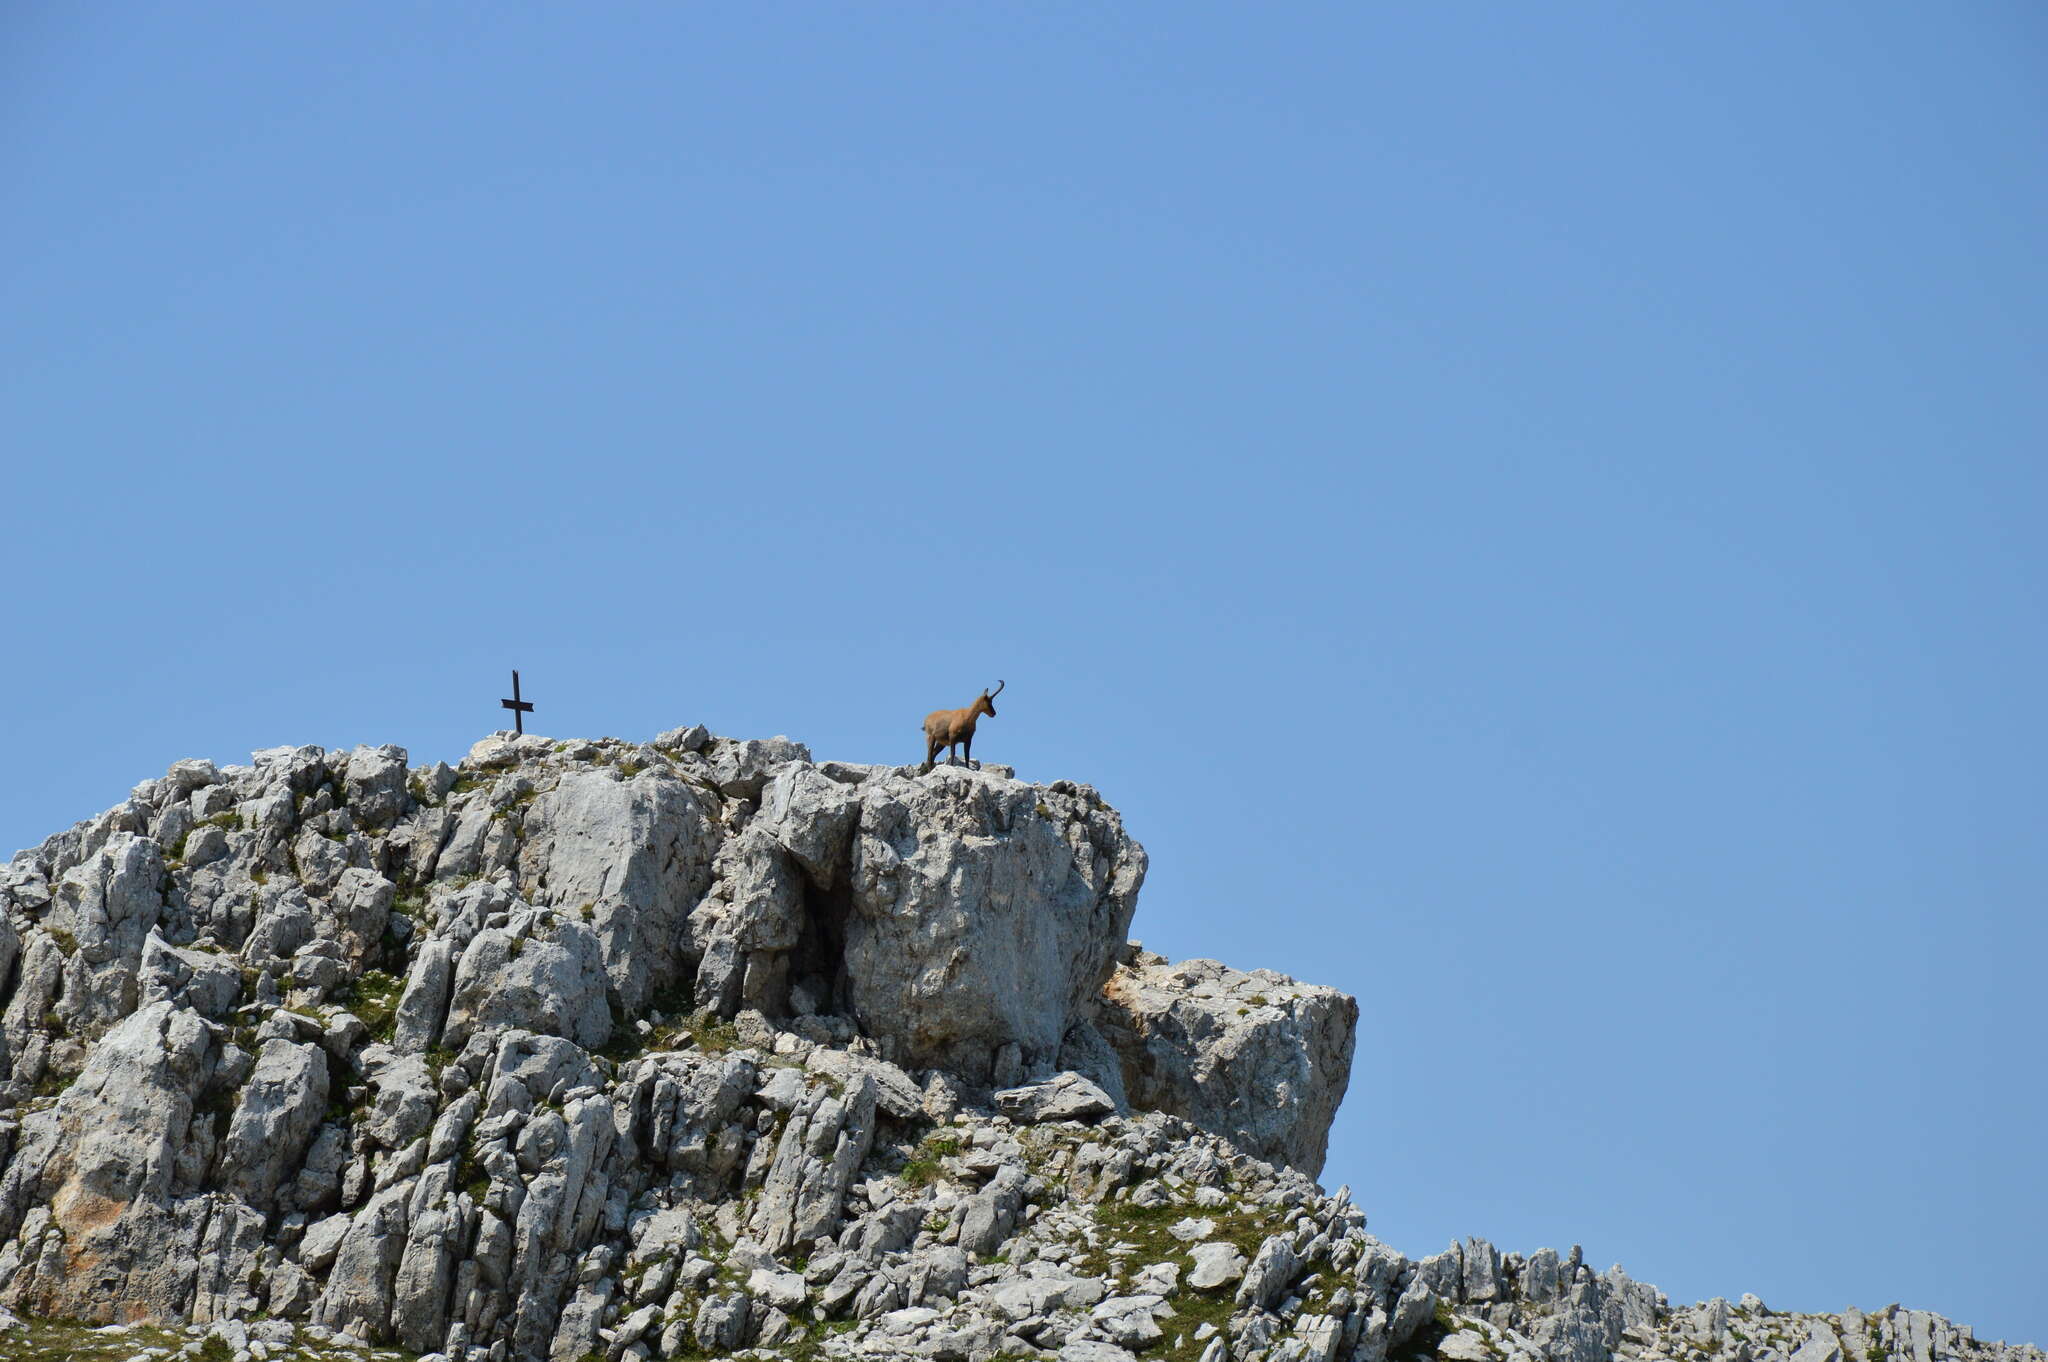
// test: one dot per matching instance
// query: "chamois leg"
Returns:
(967, 751)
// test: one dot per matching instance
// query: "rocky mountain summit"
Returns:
(702, 1048)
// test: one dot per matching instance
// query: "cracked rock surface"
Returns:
(700, 1048)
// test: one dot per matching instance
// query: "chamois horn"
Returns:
(992, 694)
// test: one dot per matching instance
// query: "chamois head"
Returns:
(987, 703)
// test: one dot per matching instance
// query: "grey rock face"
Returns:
(106, 906)
(102, 1169)
(1255, 1056)
(985, 913)
(359, 1281)
(1272, 1271)
(1821, 1346)
(632, 857)
(542, 975)
(603, 1049)
(209, 984)
(815, 1161)
(375, 786)
(722, 1322)
(1415, 1308)
(280, 1106)
(991, 1214)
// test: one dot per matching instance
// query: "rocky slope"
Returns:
(692, 1048)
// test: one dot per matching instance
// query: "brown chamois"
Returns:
(951, 728)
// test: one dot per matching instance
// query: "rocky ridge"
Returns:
(701, 1048)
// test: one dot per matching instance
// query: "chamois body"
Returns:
(954, 728)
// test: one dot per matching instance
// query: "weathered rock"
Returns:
(985, 913)
(354, 913)
(552, 982)
(359, 1281)
(722, 1322)
(991, 1214)
(741, 769)
(376, 785)
(821, 1149)
(403, 1108)
(1094, 1350)
(1128, 1320)
(103, 1168)
(1465, 1346)
(1272, 1271)
(1063, 1097)
(632, 857)
(812, 817)
(329, 1077)
(423, 1007)
(106, 905)
(1215, 1265)
(896, 1092)
(1257, 1057)
(209, 984)
(1416, 1307)
(1821, 1345)
(322, 1241)
(688, 739)
(1482, 1276)
(279, 1109)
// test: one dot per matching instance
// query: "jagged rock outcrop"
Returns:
(702, 1048)
(412, 1055)
(1256, 1056)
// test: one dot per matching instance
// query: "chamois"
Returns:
(951, 728)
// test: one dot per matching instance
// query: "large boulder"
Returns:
(1257, 1057)
(985, 913)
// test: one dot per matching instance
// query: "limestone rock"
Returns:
(359, 1281)
(106, 906)
(102, 1168)
(376, 784)
(1821, 1345)
(740, 769)
(620, 1050)
(1272, 1271)
(1415, 1308)
(821, 1149)
(552, 981)
(632, 857)
(1063, 1097)
(985, 913)
(1255, 1056)
(280, 1106)
(1215, 1265)
(210, 984)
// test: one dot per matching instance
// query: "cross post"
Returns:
(520, 708)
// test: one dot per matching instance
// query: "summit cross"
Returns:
(520, 708)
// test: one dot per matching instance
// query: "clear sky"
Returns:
(1533, 512)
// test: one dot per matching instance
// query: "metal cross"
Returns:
(518, 706)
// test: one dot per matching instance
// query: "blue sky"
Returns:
(1532, 512)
